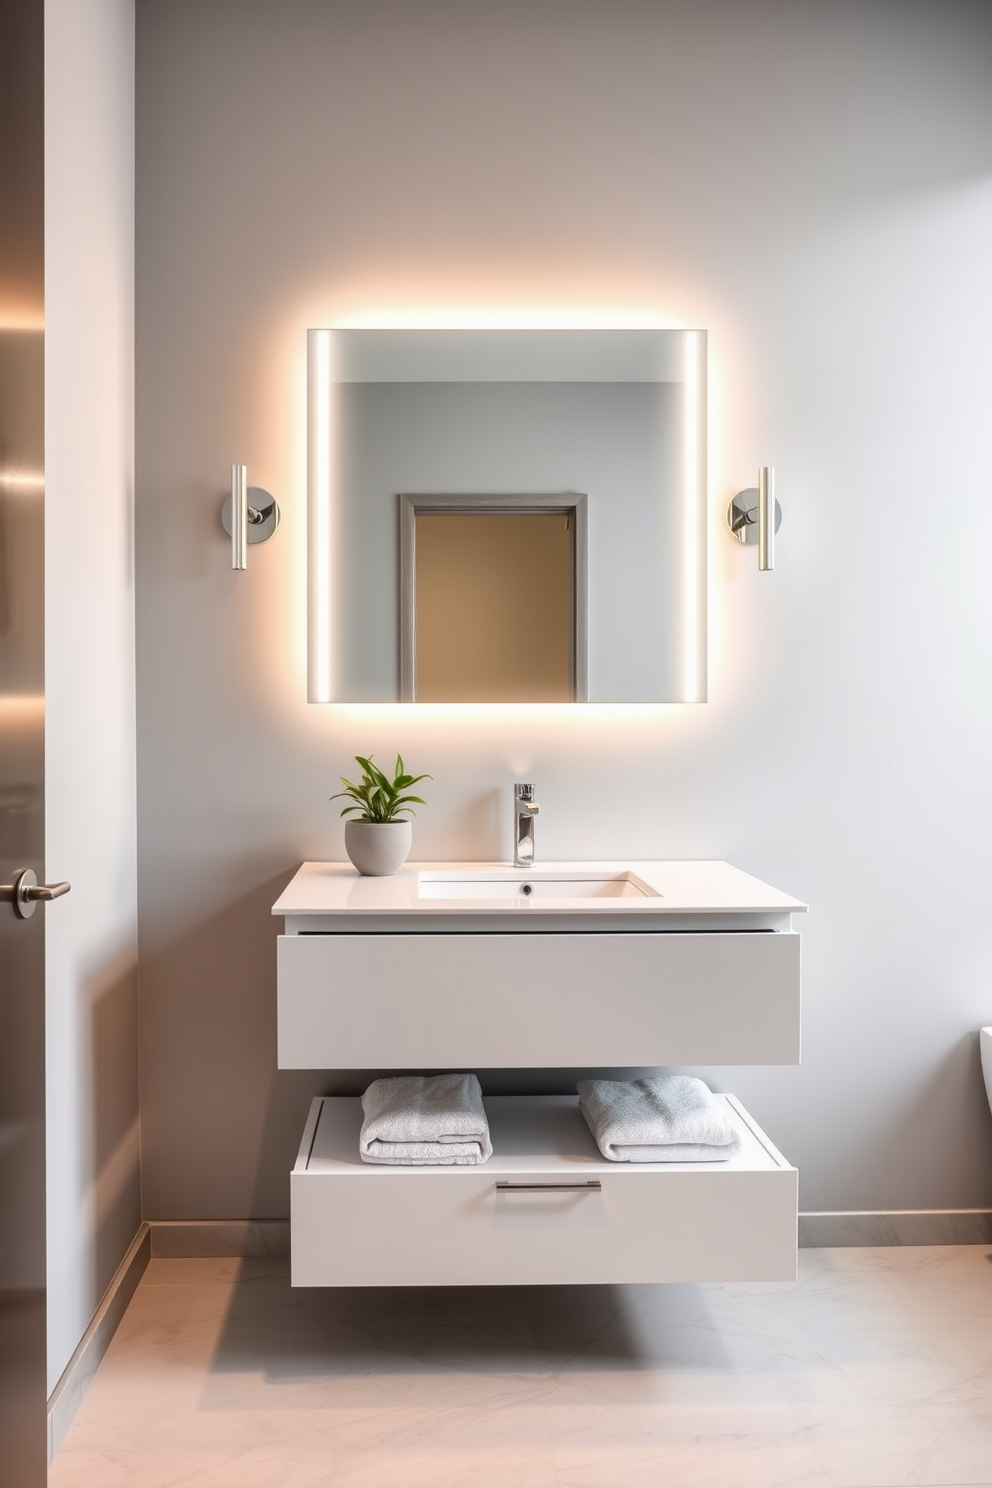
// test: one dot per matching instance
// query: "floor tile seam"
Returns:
(818, 1459)
(166, 1362)
(141, 1329)
(210, 1321)
(905, 1482)
(95, 1402)
(422, 1415)
(863, 1418)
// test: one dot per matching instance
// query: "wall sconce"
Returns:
(749, 517)
(249, 514)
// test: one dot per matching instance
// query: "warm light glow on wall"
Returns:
(694, 620)
(21, 318)
(29, 483)
(21, 708)
(504, 320)
(320, 685)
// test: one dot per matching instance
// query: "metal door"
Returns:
(22, 819)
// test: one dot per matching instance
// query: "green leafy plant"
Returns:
(377, 798)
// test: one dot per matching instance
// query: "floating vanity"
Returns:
(577, 965)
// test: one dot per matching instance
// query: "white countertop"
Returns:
(687, 888)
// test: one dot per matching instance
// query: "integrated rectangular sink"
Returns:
(522, 887)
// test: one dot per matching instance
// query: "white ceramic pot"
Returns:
(378, 849)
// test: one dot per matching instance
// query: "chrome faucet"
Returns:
(525, 808)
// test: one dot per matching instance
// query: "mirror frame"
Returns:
(410, 507)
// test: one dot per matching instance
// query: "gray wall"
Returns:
(810, 182)
(94, 1200)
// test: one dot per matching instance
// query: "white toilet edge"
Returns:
(985, 1040)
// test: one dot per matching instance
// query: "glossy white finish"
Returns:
(985, 1040)
(516, 884)
(701, 894)
(676, 963)
(355, 1224)
(477, 1001)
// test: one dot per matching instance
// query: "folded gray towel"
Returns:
(669, 1118)
(425, 1120)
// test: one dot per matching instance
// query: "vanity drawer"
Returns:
(354, 1224)
(544, 1001)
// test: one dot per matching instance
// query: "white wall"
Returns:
(813, 184)
(93, 1180)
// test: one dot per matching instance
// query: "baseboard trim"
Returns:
(896, 1227)
(65, 1399)
(219, 1237)
(270, 1237)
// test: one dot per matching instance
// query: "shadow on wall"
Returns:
(948, 1098)
(952, 1086)
(110, 993)
(220, 1124)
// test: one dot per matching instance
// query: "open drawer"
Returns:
(577, 1001)
(586, 1221)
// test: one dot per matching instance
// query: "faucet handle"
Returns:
(524, 792)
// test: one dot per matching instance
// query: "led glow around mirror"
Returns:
(617, 415)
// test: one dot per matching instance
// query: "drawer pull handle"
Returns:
(593, 1186)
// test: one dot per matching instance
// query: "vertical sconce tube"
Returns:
(766, 517)
(239, 516)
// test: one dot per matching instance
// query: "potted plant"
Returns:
(378, 840)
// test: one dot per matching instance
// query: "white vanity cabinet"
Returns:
(387, 974)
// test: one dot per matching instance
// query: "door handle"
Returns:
(25, 892)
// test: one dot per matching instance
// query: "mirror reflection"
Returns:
(616, 416)
(492, 599)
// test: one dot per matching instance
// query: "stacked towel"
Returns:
(669, 1118)
(425, 1120)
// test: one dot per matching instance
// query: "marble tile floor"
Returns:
(875, 1370)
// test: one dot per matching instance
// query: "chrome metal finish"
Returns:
(766, 511)
(525, 808)
(239, 516)
(593, 1186)
(745, 520)
(25, 892)
(249, 514)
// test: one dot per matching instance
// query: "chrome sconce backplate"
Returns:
(249, 515)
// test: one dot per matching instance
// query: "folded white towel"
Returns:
(668, 1118)
(425, 1120)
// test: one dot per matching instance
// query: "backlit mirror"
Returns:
(506, 516)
